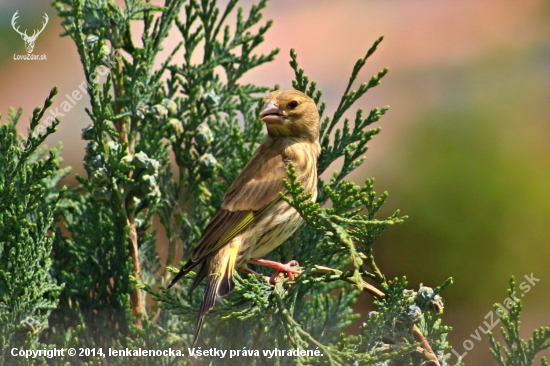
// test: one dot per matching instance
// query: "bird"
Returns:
(253, 218)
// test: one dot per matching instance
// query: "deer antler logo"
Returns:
(29, 41)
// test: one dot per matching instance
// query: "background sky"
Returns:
(464, 149)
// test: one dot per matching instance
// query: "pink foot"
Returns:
(278, 268)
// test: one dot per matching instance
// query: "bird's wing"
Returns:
(253, 192)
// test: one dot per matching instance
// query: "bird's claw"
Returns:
(291, 268)
(288, 268)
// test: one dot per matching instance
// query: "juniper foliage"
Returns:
(516, 351)
(165, 141)
(28, 198)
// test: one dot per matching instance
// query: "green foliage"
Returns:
(393, 323)
(304, 314)
(166, 142)
(516, 351)
(352, 145)
(28, 198)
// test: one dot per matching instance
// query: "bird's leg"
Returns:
(287, 268)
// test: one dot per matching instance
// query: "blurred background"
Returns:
(464, 149)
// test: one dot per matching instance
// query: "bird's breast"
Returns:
(270, 231)
(282, 220)
(304, 157)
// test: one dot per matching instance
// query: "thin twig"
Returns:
(428, 352)
(136, 298)
(290, 321)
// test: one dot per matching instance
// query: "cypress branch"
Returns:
(80, 267)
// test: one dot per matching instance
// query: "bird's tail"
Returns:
(219, 272)
(185, 270)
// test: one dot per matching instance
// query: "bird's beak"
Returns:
(271, 113)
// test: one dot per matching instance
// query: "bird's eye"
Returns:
(293, 104)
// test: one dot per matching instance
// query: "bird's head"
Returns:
(290, 113)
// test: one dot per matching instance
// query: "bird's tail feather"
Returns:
(185, 270)
(219, 281)
(227, 284)
(207, 304)
(201, 274)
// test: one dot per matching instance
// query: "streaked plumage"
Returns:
(253, 220)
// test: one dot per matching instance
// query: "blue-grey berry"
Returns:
(204, 136)
(99, 177)
(211, 99)
(141, 160)
(175, 126)
(91, 150)
(148, 183)
(160, 113)
(171, 106)
(91, 39)
(414, 313)
(96, 162)
(425, 294)
(207, 163)
(88, 133)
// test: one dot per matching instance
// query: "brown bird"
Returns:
(253, 219)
